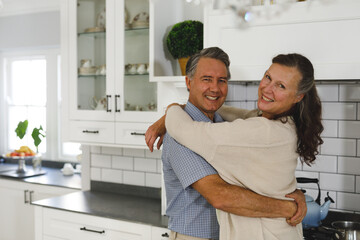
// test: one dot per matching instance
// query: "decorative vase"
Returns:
(182, 63)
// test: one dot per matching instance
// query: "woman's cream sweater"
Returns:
(255, 153)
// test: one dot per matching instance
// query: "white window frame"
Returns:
(53, 104)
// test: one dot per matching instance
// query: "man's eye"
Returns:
(223, 80)
(281, 86)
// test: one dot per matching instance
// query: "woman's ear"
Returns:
(299, 98)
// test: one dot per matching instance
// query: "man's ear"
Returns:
(187, 80)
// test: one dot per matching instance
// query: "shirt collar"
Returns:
(197, 115)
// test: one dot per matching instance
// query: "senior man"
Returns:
(193, 188)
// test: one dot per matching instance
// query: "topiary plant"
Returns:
(185, 38)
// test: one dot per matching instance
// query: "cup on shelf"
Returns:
(141, 68)
(130, 69)
(85, 63)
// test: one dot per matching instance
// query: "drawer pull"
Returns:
(90, 230)
(87, 131)
(138, 134)
(165, 235)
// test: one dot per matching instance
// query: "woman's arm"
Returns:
(230, 114)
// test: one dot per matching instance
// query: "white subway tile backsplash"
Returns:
(337, 182)
(358, 184)
(330, 128)
(98, 160)
(155, 154)
(145, 164)
(134, 152)
(339, 111)
(112, 175)
(134, 178)
(153, 180)
(349, 165)
(349, 129)
(323, 164)
(252, 92)
(112, 150)
(328, 92)
(95, 174)
(349, 92)
(236, 92)
(120, 162)
(348, 201)
(338, 146)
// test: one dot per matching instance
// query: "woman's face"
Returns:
(277, 91)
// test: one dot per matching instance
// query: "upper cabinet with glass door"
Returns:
(136, 96)
(91, 76)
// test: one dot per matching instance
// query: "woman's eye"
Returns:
(281, 86)
(267, 77)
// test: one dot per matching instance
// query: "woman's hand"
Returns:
(157, 130)
(299, 199)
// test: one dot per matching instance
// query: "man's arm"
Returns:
(241, 201)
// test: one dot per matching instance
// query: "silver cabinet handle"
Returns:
(88, 131)
(31, 196)
(90, 230)
(25, 196)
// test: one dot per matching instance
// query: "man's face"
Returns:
(209, 86)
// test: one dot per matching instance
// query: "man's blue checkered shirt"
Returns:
(189, 213)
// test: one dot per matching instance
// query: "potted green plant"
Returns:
(184, 39)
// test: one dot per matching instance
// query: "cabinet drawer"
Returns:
(158, 233)
(93, 132)
(131, 133)
(68, 225)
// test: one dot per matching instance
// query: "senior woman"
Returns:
(259, 149)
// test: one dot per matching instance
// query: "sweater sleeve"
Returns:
(230, 114)
(189, 133)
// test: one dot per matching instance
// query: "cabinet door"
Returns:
(17, 214)
(16, 218)
(136, 97)
(69, 225)
(91, 59)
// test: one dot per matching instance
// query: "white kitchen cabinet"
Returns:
(158, 233)
(324, 31)
(17, 214)
(105, 54)
(58, 224)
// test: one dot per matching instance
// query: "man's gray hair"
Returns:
(211, 52)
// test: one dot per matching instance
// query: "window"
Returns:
(32, 91)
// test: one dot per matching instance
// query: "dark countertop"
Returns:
(128, 203)
(110, 205)
(53, 177)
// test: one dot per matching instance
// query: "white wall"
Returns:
(35, 30)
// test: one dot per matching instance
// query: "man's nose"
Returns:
(214, 86)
